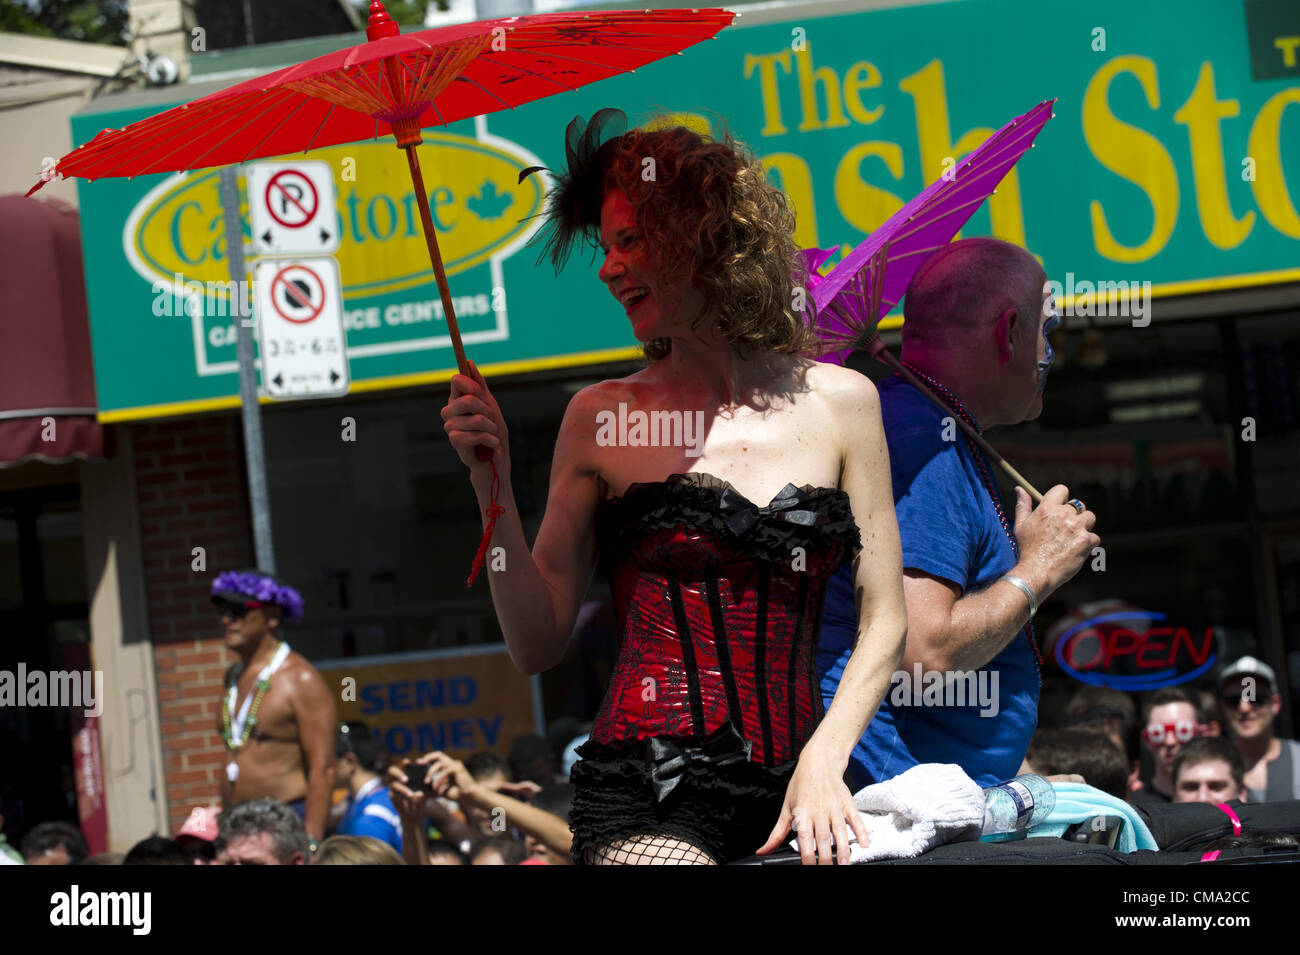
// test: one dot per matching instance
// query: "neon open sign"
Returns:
(1093, 649)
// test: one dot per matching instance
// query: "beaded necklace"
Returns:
(956, 406)
(263, 684)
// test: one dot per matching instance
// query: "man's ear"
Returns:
(1006, 332)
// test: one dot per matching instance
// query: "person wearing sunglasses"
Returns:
(1250, 702)
(1170, 721)
(277, 716)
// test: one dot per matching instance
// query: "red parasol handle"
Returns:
(408, 139)
(435, 256)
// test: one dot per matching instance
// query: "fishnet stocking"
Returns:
(648, 849)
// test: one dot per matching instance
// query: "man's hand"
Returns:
(1054, 540)
(451, 779)
(524, 790)
(409, 803)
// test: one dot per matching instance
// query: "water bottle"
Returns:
(1014, 807)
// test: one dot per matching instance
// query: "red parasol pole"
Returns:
(406, 130)
(408, 143)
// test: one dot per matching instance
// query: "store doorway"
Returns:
(44, 626)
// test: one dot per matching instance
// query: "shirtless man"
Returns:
(279, 726)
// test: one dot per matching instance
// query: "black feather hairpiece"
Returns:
(573, 207)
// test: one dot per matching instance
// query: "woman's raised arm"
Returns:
(537, 593)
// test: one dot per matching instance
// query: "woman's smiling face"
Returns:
(633, 273)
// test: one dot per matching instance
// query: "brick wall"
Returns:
(189, 479)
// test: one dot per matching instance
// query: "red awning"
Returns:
(47, 380)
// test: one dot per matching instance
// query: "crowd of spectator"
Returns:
(497, 810)
(487, 810)
(1199, 746)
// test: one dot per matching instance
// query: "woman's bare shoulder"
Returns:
(609, 392)
(842, 389)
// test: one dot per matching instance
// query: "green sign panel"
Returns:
(1168, 162)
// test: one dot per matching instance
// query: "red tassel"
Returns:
(493, 512)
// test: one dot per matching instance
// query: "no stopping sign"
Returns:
(300, 328)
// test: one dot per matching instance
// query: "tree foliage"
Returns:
(90, 21)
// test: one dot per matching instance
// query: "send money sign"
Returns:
(460, 702)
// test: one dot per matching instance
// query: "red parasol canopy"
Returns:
(392, 83)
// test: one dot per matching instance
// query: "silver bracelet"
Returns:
(1029, 592)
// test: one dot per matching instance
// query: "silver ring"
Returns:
(1077, 504)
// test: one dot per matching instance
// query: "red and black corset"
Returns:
(719, 603)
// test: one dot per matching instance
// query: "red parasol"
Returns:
(396, 84)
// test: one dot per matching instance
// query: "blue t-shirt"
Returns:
(949, 528)
(372, 813)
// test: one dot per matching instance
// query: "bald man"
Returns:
(977, 316)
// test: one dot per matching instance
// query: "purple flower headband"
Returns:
(254, 586)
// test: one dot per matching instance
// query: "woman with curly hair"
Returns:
(710, 743)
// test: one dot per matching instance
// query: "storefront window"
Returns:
(1136, 424)
(11, 578)
(1288, 585)
(1270, 363)
(377, 524)
(63, 552)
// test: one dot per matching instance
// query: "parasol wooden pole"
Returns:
(879, 351)
(431, 239)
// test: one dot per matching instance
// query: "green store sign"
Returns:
(1170, 161)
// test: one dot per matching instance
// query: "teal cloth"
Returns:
(1076, 802)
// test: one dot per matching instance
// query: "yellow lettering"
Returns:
(1201, 114)
(830, 82)
(863, 205)
(926, 87)
(1287, 44)
(794, 178)
(766, 63)
(1265, 145)
(1133, 154)
(692, 121)
(861, 76)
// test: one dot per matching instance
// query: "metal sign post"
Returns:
(251, 412)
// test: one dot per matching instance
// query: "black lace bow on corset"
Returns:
(741, 514)
(668, 761)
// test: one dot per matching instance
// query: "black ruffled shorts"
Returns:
(726, 810)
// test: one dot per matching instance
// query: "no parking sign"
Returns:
(300, 325)
(292, 208)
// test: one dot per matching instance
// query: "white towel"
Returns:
(928, 805)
